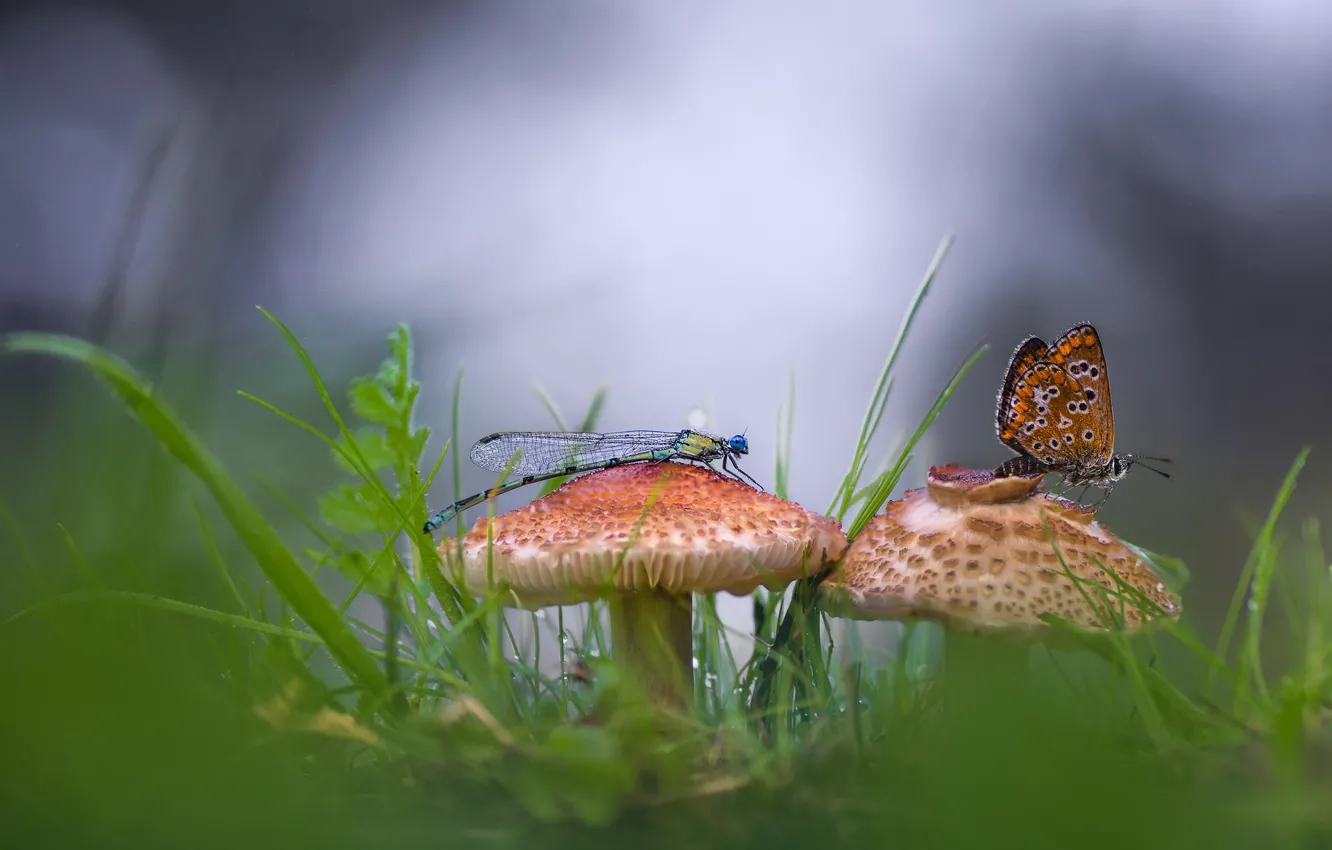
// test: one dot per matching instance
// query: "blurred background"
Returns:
(691, 204)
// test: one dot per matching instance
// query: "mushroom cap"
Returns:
(596, 535)
(970, 550)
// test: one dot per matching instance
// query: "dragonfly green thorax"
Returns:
(532, 456)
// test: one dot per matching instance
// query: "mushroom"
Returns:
(646, 537)
(971, 551)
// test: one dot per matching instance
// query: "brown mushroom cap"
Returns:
(970, 550)
(705, 532)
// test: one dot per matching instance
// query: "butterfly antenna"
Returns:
(1160, 472)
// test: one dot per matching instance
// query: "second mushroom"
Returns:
(991, 557)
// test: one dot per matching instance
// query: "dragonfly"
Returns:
(541, 455)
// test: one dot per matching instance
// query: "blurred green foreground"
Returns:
(146, 639)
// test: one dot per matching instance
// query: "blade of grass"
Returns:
(874, 413)
(162, 603)
(35, 576)
(1260, 543)
(452, 600)
(785, 427)
(210, 543)
(352, 452)
(884, 486)
(84, 569)
(1113, 623)
(1251, 662)
(456, 459)
(589, 423)
(769, 673)
(260, 539)
(1315, 644)
(551, 407)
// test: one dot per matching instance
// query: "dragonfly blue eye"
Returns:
(739, 444)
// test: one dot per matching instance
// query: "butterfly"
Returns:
(1054, 411)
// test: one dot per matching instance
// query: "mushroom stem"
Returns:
(652, 638)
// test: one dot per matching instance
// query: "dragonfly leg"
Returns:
(739, 473)
(696, 461)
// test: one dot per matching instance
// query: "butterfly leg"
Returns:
(1104, 499)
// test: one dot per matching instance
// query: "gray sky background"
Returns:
(690, 202)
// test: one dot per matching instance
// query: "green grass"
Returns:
(249, 701)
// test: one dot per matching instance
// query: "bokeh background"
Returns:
(689, 203)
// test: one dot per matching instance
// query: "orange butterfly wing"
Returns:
(1079, 352)
(1051, 420)
(1024, 357)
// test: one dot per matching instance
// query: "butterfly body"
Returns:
(1054, 410)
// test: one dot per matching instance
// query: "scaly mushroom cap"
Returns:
(970, 550)
(705, 532)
